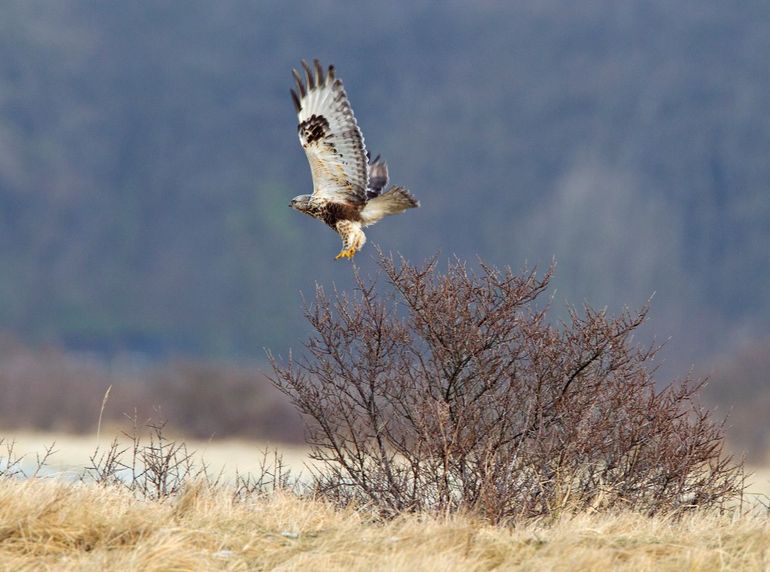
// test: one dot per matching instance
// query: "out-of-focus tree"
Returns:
(148, 150)
(740, 386)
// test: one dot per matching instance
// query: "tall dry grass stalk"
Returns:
(49, 525)
(101, 413)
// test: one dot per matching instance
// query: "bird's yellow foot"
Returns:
(346, 253)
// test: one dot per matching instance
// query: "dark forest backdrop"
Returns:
(148, 152)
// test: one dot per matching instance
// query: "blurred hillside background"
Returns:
(148, 152)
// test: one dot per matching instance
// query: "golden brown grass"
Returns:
(47, 524)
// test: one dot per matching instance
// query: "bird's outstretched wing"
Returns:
(330, 136)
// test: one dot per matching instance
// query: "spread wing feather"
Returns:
(330, 136)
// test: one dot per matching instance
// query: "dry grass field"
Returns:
(50, 525)
(58, 524)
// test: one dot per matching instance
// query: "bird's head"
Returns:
(300, 203)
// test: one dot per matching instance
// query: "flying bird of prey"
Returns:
(347, 187)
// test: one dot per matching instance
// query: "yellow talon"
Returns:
(345, 253)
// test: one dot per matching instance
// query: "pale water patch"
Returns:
(72, 453)
(759, 484)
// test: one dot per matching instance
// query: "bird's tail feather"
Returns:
(393, 201)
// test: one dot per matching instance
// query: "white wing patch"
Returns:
(330, 136)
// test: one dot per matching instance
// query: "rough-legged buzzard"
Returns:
(347, 186)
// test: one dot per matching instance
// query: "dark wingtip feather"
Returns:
(319, 72)
(330, 75)
(413, 202)
(298, 79)
(295, 99)
(309, 79)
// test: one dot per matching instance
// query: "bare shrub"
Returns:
(10, 462)
(155, 467)
(271, 476)
(453, 392)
